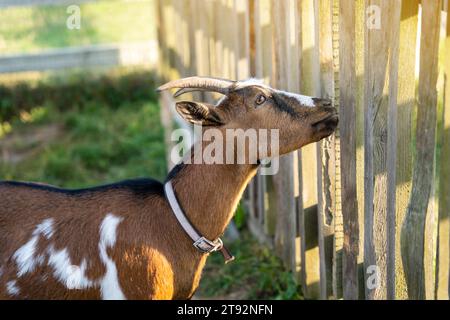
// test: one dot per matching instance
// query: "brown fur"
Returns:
(154, 257)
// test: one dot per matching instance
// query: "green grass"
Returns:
(27, 29)
(111, 135)
(256, 273)
(95, 145)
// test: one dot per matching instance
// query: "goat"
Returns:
(122, 241)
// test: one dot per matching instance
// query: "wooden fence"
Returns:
(364, 213)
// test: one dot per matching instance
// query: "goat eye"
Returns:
(260, 99)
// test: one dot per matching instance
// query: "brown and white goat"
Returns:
(122, 240)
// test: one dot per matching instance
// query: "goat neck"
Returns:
(210, 193)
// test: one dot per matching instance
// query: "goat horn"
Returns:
(189, 84)
(186, 90)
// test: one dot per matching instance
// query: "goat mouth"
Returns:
(329, 122)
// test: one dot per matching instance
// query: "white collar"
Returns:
(201, 243)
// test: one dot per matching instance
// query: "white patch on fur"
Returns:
(45, 228)
(303, 100)
(11, 288)
(109, 285)
(72, 276)
(24, 256)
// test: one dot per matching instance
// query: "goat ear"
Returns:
(199, 113)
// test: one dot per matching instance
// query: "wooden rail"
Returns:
(144, 53)
(363, 214)
(16, 3)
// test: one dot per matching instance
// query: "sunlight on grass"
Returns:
(5, 128)
(27, 29)
(35, 115)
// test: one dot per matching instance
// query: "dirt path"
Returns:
(22, 144)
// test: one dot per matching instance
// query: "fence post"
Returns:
(347, 116)
(413, 238)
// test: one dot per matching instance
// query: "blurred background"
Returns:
(78, 108)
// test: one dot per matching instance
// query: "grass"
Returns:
(29, 29)
(255, 274)
(95, 143)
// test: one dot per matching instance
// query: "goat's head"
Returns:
(251, 104)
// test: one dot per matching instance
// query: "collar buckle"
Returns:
(200, 243)
(207, 246)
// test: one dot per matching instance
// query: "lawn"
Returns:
(29, 29)
(74, 136)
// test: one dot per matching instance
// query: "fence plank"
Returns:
(242, 37)
(338, 229)
(293, 85)
(265, 72)
(201, 45)
(413, 230)
(210, 34)
(252, 189)
(283, 180)
(231, 40)
(378, 45)
(392, 148)
(171, 38)
(309, 84)
(326, 168)
(406, 84)
(360, 27)
(189, 16)
(256, 49)
(219, 28)
(443, 267)
(160, 33)
(395, 12)
(347, 115)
